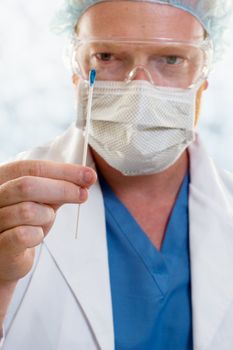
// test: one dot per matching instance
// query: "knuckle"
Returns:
(35, 168)
(4, 190)
(51, 214)
(18, 168)
(68, 191)
(27, 167)
(21, 235)
(27, 212)
(73, 193)
(25, 186)
(7, 218)
(48, 215)
(28, 236)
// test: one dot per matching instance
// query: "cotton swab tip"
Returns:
(92, 77)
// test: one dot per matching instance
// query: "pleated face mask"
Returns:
(136, 127)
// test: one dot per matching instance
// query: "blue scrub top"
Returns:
(151, 295)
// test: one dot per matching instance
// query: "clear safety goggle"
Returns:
(163, 62)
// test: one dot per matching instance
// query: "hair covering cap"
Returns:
(214, 15)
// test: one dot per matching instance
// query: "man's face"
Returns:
(141, 21)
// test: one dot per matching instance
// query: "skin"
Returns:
(32, 191)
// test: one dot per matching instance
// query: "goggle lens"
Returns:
(168, 64)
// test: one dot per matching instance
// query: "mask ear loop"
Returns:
(92, 76)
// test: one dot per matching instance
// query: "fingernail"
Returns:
(87, 176)
(82, 194)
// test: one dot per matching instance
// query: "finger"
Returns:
(26, 213)
(41, 190)
(18, 239)
(77, 174)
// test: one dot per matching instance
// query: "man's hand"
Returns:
(30, 194)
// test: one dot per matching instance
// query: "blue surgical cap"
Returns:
(214, 15)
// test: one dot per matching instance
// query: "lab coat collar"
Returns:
(211, 248)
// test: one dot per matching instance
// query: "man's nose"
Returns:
(140, 73)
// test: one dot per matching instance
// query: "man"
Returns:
(130, 280)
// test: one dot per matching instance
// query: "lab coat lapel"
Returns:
(211, 251)
(82, 262)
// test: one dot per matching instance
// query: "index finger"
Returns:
(77, 174)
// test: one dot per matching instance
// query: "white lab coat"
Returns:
(65, 302)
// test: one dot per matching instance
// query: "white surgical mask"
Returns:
(138, 128)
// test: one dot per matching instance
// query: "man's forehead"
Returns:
(214, 15)
(142, 20)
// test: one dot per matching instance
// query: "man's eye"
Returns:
(173, 60)
(104, 56)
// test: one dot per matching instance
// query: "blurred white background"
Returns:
(36, 95)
